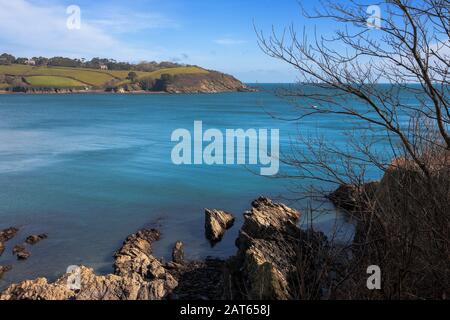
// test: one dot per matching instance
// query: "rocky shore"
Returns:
(264, 267)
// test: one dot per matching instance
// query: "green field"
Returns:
(82, 77)
(53, 82)
(172, 71)
(92, 78)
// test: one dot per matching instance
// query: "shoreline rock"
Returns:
(266, 258)
(266, 266)
(216, 223)
(354, 198)
(33, 239)
(4, 269)
(8, 234)
(21, 252)
(138, 276)
(178, 253)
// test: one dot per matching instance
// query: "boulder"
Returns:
(21, 252)
(33, 239)
(4, 269)
(8, 234)
(353, 197)
(178, 253)
(216, 223)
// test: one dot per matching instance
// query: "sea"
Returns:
(90, 169)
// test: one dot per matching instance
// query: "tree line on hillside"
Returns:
(94, 63)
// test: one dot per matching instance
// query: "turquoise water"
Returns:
(89, 169)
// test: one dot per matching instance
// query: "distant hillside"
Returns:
(165, 77)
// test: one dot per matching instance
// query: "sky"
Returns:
(215, 34)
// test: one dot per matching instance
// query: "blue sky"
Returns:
(216, 34)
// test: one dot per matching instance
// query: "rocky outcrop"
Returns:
(266, 251)
(211, 82)
(3, 270)
(138, 276)
(354, 198)
(21, 252)
(178, 253)
(269, 246)
(8, 234)
(273, 253)
(216, 223)
(33, 239)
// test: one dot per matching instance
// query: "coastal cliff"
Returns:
(82, 78)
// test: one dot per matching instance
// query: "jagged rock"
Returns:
(352, 197)
(21, 252)
(33, 239)
(4, 269)
(178, 253)
(38, 289)
(267, 246)
(138, 276)
(8, 234)
(216, 223)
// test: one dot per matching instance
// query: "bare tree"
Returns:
(392, 77)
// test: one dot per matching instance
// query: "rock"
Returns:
(270, 245)
(4, 269)
(178, 253)
(38, 289)
(354, 198)
(216, 223)
(21, 252)
(138, 275)
(33, 239)
(8, 234)
(2, 248)
(267, 251)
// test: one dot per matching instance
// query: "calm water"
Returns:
(91, 169)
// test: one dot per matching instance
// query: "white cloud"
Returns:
(29, 29)
(127, 22)
(229, 41)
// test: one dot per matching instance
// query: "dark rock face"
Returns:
(2, 248)
(33, 239)
(352, 197)
(178, 253)
(8, 234)
(3, 270)
(216, 223)
(21, 252)
(199, 280)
